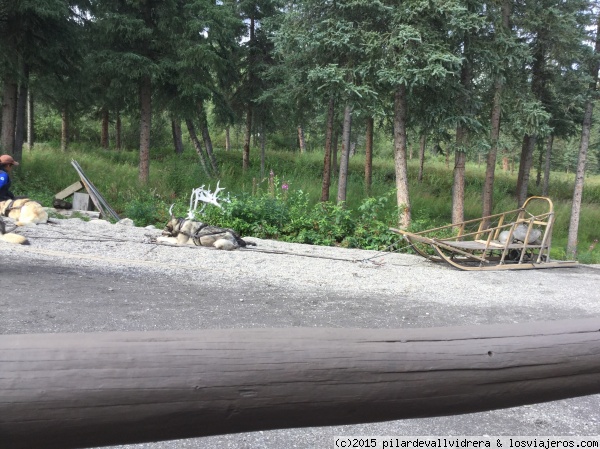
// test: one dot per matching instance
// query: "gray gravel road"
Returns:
(97, 277)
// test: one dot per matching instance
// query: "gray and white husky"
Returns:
(183, 231)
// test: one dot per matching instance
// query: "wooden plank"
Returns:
(480, 246)
(69, 191)
(87, 390)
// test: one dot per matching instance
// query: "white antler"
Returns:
(194, 202)
(205, 196)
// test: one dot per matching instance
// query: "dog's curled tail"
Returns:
(14, 238)
(229, 245)
(243, 243)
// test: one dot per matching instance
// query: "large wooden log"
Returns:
(81, 390)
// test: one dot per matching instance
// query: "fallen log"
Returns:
(84, 390)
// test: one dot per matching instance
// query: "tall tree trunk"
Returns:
(334, 148)
(345, 158)
(547, 163)
(328, 147)
(579, 181)
(65, 125)
(458, 187)
(525, 168)
(369, 155)
(30, 120)
(21, 117)
(490, 170)
(227, 139)
(422, 145)
(538, 87)
(301, 140)
(104, 140)
(460, 156)
(249, 111)
(263, 141)
(198, 147)
(247, 138)
(538, 176)
(206, 138)
(118, 131)
(176, 133)
(9, 110)
(583, 149)
(145, 127)
(400, 163)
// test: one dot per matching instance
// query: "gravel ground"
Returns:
(306, 268)
(104, 277)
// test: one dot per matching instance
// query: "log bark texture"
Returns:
(82, 390)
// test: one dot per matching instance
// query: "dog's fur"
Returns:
(24, 211)
(11, 237)
(191, 232)
(17, 239)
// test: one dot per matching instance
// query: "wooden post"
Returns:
(82, 390)
(82, 201)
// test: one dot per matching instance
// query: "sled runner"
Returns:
(519, 239)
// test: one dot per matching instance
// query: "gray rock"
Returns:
(126, 222)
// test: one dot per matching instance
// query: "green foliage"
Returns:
(372, 225)
(142, 211)
(591, 255)
(262, 216)
(327, 224)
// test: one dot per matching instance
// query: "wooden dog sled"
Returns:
(519, 239)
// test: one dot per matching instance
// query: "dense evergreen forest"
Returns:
(510, 84)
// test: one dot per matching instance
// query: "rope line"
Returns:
(287, 253)
(381, 254)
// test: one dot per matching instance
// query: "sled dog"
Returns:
(24, 211)
(11, 237)
(191, 232)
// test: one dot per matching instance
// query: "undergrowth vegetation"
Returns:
(284, 204)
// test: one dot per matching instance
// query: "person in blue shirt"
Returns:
(6, 165)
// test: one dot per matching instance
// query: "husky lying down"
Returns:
(25, 212)
(190, 232)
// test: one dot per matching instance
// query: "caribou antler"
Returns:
(206, 196)
(203, 195)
